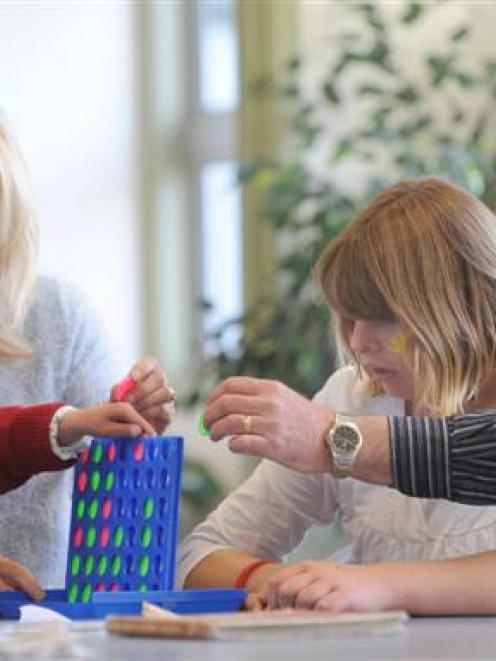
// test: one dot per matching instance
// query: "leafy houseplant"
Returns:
(434, 120)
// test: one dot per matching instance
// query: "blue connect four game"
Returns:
(123, 535)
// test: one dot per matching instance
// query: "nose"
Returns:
(363, 339)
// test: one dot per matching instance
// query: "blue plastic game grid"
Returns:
(123, 536)
(124, 522)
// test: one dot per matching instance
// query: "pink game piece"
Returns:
(123, 388)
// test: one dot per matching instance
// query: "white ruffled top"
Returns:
(269, 514)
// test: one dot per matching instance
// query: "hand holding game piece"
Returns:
(146, 388)
(14, 576)
(112, 419)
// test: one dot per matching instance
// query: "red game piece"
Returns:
(111, 452)
(104, 536)
(123, 388)
(82, 481)
(84, 456)
(106, 508)
(139, 451)
(78, 537)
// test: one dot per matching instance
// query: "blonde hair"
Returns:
(18, 247)
(423, 253)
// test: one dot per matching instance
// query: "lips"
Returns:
(380, 372)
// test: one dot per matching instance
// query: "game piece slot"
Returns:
(150, 478)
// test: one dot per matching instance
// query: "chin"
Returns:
(398, 391)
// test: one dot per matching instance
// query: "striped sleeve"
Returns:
(452, 458)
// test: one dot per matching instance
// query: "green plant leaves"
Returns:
(437, 122)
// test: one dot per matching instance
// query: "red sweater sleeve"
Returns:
(25, 445)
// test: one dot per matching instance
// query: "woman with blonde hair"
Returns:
(51, 349)
(412, 285)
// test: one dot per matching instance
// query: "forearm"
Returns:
(460, 586)
(24, 444)
(221, 568)
(373, 463)
(453, 458)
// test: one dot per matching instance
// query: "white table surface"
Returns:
(423, 638)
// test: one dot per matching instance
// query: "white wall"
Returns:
(67, 85)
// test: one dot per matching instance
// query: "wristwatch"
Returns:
(344, 440)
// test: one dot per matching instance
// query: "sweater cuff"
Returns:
(69, 452)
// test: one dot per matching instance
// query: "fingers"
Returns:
(124, 417)
(236, 385)
(255, 446)
(306, 585)
(151, 387)
(288, 592)
(223, 407)
(335, 602)
(18, 577)
(160, 416)
(255, 602)
(233, 424)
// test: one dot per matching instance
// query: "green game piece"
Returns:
(88, 565)
(146, 536)
(86, 594)
(75, 565)
(97, 454)
(118, 536)
(80, 509)
(201, 426)
(95, 480)
(91, 537)
(73, 593)
(144, 565)
(148, 507)
(93, 509)
(109, 480)
(115, 566)
(142, 587)
(102, 565)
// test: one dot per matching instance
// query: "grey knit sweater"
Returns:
(69, 364)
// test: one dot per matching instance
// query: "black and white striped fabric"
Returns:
(452, 458)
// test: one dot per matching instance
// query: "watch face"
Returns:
(345, 438)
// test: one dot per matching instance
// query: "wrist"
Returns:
(373, 463)
(343, 441)
(251, 576)
(66, 440)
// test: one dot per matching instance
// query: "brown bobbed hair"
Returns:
(423, 253)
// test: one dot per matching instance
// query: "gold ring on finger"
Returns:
(246, 424)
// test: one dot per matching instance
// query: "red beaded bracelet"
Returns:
(246, 572)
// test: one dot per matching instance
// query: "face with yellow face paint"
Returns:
(379, 347)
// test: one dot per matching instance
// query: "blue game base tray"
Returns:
(126, 603)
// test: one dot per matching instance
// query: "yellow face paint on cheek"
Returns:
(398, 343)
